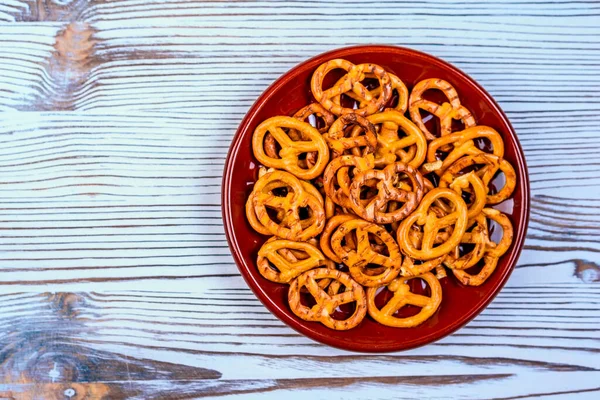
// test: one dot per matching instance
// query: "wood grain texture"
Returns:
(116, 280)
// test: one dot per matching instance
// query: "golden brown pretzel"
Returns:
(397, 84)
(375, 210)
(356, 73)
(493, 251)
(330, 227)
(362, 136)
(463, 144)
(362, 255)
(478, 237)
(425, 216)
(290, 264)
(470, 183)
(403, 296)
(446, 112)
(326, 304)
(305, 112)
(251, 214)
(291, 150)
(391, 146)
(336, 179)
(491, 165)
(291, 227)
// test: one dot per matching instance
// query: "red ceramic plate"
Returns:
(289, 93)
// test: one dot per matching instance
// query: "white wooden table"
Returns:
(115, 276)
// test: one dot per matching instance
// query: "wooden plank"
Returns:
(113, 346)
(115, 119)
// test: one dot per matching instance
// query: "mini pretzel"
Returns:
(291, 150)
(301, 115)
(491, 165)
(358, 259)
(351, 81)
(289, 266)
(464, 183)
(397, 84)
(362, 136)
(291, 227)
(463, 144)
(251, 214)
(375, 209)
(493, 251)
(330, 227)
(478, 236)
(337, 174)
(426, 217)
(403, 296)
(326, 303)
(445, 112)
(390, 142)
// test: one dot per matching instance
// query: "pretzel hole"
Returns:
(307, 299)
(465, 248)
(474, 270)
(495, 231)
(433, 178)
(344, 311)
(441, 155)
(271, 146)
(373, 269)
(394, 99)
(273, 214)
(484, 144)
(304, 213)
(457, 125)
(432, 123)
(497, 182)
(280, 191)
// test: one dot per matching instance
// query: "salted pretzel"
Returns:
(471, 184)
(351, 82)
(362, 139)
(445, 112)
(296, 198)
(492, 253)
(403, 296)
(284, 255)
(358, 258)
(336, 178)
(392, 146)
(462, 144)
(491, 164)
(291, 150)
(425, 216)
(326, 303)
(375, 210)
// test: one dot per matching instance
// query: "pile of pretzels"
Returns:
(359, 198)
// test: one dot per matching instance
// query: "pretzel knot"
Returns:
(463, 143)
(427, 218)
(493, 251)
(403, 296)
(336, 179)
(362, 139)
(327, 303)
(491, 164)
(397, 85)
(410, 146)
(289, 258)
(351, 82)
(291, 150)
(314, 110)
(375, 209)
(360, 256)
(445, 112)
(290, 226)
